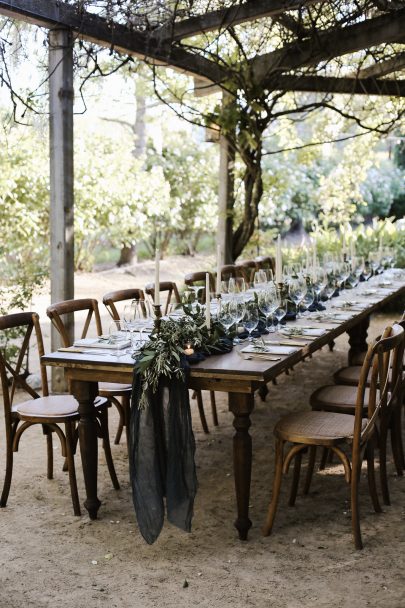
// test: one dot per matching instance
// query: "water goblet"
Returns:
(225, 314)
(250, 319)
(117, 337)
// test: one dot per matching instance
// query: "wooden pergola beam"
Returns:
(329, 44)
(226, 17)
(348, 86)
(382, 68)
(90, 27)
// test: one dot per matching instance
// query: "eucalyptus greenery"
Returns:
(163, 355)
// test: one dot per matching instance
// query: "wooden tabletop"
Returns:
(232, 366)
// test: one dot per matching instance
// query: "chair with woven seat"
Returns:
(111, 390)
(341, 397)
(307, 430)
(111, 298)
(198, 279)
(167, 287)
(50, 411)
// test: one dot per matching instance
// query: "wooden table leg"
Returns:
(85, 393)
(241, 405)
(358, 341)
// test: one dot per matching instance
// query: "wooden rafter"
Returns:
(382, 68)
(90, 27)
(233, 15)
(330, 44)
(349, 86)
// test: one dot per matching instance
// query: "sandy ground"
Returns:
(49, 557)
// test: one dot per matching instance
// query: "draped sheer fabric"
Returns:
(161, 454)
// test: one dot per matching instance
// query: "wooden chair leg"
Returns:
(9, 472)
(49, 452)
(324, 458)
(200, 406)
(371, 477)
(103, 418)
(278, 473)
(310, 469)
(396, 442)
(121, 421)
(354, 499)
(295, 479)
(382, 447)
(69, 430)
(214, 408)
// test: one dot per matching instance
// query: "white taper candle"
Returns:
(207, 301)
(219, 264)
(279, 261)
(157, 278)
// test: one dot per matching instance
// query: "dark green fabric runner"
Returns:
(161, 455)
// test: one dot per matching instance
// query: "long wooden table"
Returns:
(229, 373)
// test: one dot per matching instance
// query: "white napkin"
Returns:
(270, 350)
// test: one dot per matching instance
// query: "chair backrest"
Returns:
(58, 315)
(230, 270)
(198, 279)
(21, 329)
(121, 295)
(164, 286)
(248, 269)
(266, 262)
(384, 358)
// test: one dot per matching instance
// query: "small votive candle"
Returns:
(189, 350)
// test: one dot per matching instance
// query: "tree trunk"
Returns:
(127, 255)
(253, 182)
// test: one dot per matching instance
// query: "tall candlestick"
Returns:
(314, 262)
(157, 279)
(279, 261)
(219, 264)
(207, 301)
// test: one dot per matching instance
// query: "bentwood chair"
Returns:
(111, 390)
(248, 269)
(52, 412)
(231, 271)
(168, 287)
(122, 295)
(341, 397)
(266, 262)
(198, 279)
(307, 430)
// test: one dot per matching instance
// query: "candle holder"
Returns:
(158, 317)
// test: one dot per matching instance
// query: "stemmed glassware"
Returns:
(297, 291)
(238, 310)
(117, 336)
(250, 318)
(267, 302)
(226, 314)
(280, 311)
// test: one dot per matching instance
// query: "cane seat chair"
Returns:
(111, 390)
(167, 287)
(52, 412)
(194, 279)
(307, 430)
(248, 269)
(342, 398)
(111, 298)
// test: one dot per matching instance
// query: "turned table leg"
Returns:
(241, 405)
(85, 393)
(358, 341)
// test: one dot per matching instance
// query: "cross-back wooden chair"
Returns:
(341, 397)
(111, 298)
(266, 262)
(310, 429)
(51, 411)
(111, 390)
(248, 269)
(231, 270)
(197, 279)
(167, 287)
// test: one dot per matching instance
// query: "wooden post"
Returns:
(225, 199)
(61, 177)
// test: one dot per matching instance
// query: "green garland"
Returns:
(163, 354)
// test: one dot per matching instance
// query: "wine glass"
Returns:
(280, 312)
(226, 314)
(250, 319)
(308, 299)
(117, 337)
(267, 302)
(297, 291)
(238, 310)
(260, 280)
